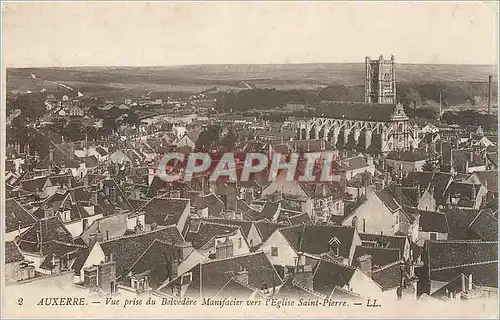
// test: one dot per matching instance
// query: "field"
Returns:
(196, 78)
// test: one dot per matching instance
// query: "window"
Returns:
(274, 251)
(187, 278)
(335, 246)
(176, 291)
(364, 225)
(433, 236)
(251, 243)
(239, 243)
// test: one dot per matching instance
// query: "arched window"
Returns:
(400, 127)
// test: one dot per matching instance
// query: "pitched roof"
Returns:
(292, 289)
(459, 221)
(387, 198)
(101, 151)
(448, 258)
(208, 231)
(35, 184)
(12, 252)
(164, 211)
(466, 192)
(60, 158)
(356, 111)
(388, 276)
(217, 273)
(212, 202)
(407, 156)
(488, 178)
(433, 222)
(380, 256)
(269, 210)
(127, 249)
(266, 228)
(354, 163)
(114, 225)
(384, 241)
(60, 249)
(485, 225)
(315, 239)
(327, 275)
(438, 182)
(121, 199)
(158, 259)
(319, 145)
(17, 216)
(48, 230)
(322, 190)
(299, 219)
(243, 224)
(455, 286)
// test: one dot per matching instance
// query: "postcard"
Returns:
(249, 159)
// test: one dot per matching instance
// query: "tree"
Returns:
(209, 138)
(74, 131)
(31, 105)
(132, 118)
(229, 141)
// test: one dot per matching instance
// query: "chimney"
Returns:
(242, 275)
(51, 154)
(138, 226)
(69, 181)
(185, 250)
(365, 264)
(194, 223)
(470, 275)
(464, 288)
(174, 268)
(489, 94)
(471, 157)
(48, 211)
(93, 199)
(231, 196)
(474, 191)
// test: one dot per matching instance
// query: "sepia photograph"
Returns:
(294, 159)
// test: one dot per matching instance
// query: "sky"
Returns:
(178, 33)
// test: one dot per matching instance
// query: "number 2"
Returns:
(20, 301)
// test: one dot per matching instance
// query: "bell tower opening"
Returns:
(380, 80)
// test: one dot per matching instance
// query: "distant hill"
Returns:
(196, 78)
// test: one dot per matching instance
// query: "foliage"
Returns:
(209, 138)
(32, 105)
(229, 141)
(470, 118)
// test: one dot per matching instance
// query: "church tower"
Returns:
(380, 81)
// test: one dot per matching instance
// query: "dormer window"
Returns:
(335, 246)
(187, 278)
(65, 215)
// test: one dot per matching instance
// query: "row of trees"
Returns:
(471, 118)
(212, 139)
(425, 95)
